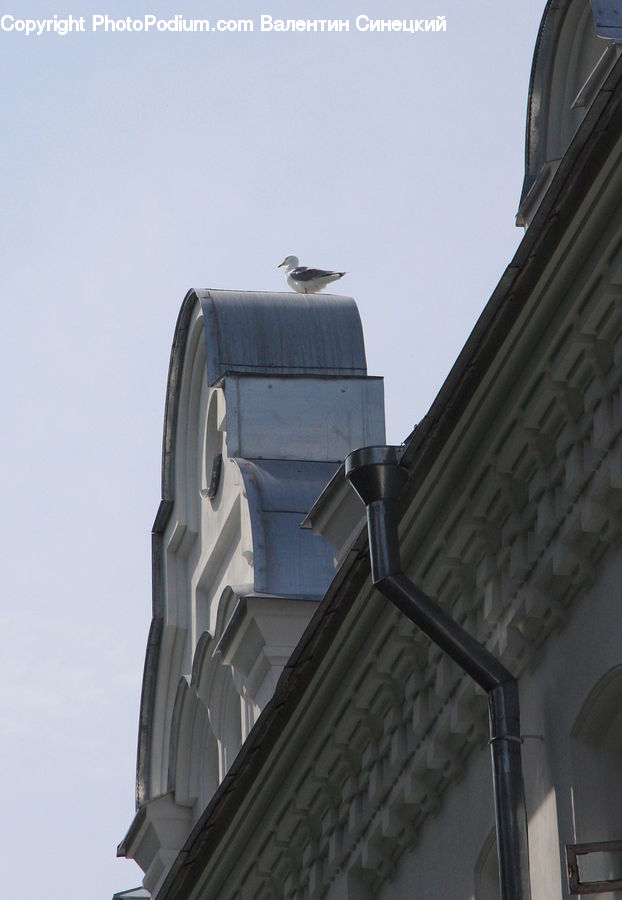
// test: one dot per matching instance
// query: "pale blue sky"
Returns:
(134, 167)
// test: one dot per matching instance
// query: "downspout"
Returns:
(378, 479)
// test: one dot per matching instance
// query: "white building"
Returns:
(299, 736)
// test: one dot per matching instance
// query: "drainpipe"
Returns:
(378, 479)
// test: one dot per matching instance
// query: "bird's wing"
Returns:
(303, 273)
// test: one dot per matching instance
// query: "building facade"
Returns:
(299, 736)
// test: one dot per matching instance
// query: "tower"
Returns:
(266, 395)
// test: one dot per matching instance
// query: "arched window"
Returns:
(230, 730)
(209, 773)
(220, 698)
(597, 784)
(597, 761)
(212, 449)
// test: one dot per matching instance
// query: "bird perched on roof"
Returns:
(305, 280)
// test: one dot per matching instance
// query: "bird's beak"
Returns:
(281, 264)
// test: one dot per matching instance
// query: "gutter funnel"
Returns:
(375, 473)
(378, 478)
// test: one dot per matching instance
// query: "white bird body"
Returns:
(305, 280)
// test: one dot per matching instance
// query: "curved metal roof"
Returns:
(567, 50)
(281, 334)
(287, 560)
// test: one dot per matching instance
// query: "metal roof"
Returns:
(281, 334)
(287, 560)
(608, 19)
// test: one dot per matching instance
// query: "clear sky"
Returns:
(135, 166)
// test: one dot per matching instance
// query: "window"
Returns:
(597, 787)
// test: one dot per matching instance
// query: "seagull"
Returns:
(304, 280)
